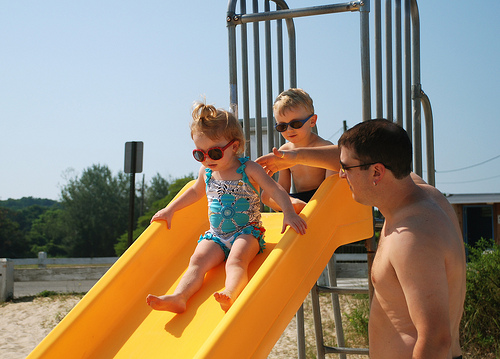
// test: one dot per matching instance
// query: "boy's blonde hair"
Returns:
(291, 99)
(216, 123)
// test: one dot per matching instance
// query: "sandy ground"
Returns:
(26, 320)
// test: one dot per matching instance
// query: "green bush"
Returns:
(480, 329)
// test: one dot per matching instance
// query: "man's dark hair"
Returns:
(380, 141)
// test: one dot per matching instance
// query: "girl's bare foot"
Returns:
(170, 303)
(224, 299)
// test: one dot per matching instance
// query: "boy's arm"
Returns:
(279, 195)
(190, 196)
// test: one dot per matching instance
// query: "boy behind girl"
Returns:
(294, 113)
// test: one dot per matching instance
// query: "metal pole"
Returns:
(244, 82)
(417, 92)
(258, 108)
(365, 60)
(379, 108)
(388, 55)
(233, 87)
(269, 82)
(399, 63)
(339, 330)
(132, 195)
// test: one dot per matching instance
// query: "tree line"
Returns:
(90, 220)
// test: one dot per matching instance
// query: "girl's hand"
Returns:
(164, 214)
(294, 221)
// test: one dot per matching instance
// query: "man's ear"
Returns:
(378, 173)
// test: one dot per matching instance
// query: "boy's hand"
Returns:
(294, 221)
(164, 214)
(277, 161)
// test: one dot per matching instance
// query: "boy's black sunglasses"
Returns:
(282, 126)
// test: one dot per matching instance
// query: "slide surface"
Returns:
(113, 320)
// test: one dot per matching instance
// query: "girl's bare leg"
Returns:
(206, 256)
(244, 249)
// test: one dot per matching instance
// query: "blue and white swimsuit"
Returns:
(233, 209)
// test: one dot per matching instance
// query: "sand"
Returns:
(27, 320)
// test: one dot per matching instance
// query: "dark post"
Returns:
(133, 165)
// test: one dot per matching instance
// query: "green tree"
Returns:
(156, 190)
(96, 210)
(49, 233)
(18, 204)
(143, 221)
(12, 240)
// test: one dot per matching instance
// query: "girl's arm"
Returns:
(281, 197)
(190, 196)
(285, 181)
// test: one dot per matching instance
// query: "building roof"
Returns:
(468, 198)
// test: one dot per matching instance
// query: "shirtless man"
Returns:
(418, 272)
(295, 118)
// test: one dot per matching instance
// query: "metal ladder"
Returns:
(408, 94)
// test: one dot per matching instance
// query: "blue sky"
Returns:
(79, 79)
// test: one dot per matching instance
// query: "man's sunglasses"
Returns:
(344, 168)
(282, 126)
(215, 153)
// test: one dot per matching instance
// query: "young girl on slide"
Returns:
(231, 184)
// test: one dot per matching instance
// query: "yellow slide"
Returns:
(114, 321)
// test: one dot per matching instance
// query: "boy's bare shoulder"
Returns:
(287, 146)
(321, 142)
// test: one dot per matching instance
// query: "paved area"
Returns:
(24, 289)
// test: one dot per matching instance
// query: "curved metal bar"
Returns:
(429, 139)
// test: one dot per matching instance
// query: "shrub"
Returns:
(480, 327)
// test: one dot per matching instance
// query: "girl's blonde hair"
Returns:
(216, 123)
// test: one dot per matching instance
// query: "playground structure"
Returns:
(281, 278)
(404, 97)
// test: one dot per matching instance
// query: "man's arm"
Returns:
(419, 263)
(327, 157)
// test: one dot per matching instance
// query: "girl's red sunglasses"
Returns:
(215, 153)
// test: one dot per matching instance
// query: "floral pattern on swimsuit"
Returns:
(233, 209)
